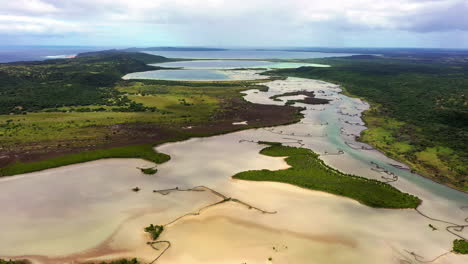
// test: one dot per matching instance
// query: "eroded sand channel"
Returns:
(88, 211)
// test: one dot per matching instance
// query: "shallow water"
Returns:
(192, 75)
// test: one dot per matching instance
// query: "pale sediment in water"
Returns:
(70, 210)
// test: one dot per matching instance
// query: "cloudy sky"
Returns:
(227, 23)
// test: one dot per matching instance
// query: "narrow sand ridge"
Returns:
(87, 211)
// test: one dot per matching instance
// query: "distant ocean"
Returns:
(246, 54)
(34, 53)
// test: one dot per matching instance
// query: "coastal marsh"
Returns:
(306, 226)
(93, 205)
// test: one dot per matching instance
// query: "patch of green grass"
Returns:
(199, 107)
(432, 157)
(402, 147)
(460, 246)
(154, 230)
(308, 171)
(92, 108)
(37, 127)
(145, 152)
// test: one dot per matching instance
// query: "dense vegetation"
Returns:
(460, 246)
(419, 109)
(145, 152)
(154, 231)
(308, 171)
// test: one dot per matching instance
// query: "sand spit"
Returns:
(88, 212)
(240, 123)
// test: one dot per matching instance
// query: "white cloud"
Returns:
(36, 25)
(223, 18)
(384, 14)
(26, 6)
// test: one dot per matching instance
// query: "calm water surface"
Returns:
(185, 75)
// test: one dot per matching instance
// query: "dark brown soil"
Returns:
(236, 110)
(314, 101)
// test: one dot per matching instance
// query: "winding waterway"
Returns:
(87, 211)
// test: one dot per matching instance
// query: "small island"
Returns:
(308, 171)
(308, 99)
